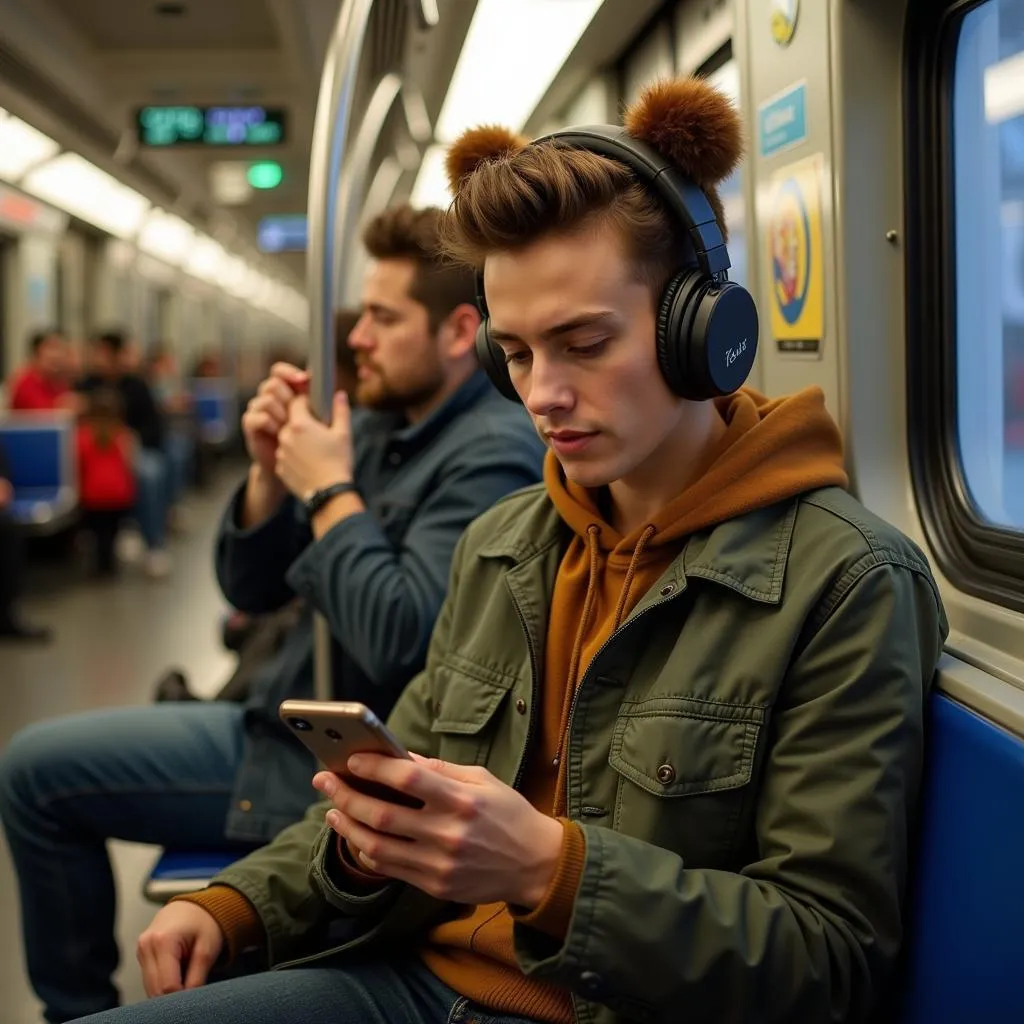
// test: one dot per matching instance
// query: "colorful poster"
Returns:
(797, 260)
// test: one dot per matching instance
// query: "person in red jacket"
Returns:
(43, 385)
(106, 479)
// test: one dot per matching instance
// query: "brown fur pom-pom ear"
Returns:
(690, 123)
(477, 146)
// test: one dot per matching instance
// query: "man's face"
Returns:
(398, 361)
(51, 356)
(578, 332)
(104, 360)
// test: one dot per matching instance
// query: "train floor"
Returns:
(112, 641)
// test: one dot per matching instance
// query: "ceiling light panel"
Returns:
(71, 183)
(508, 61)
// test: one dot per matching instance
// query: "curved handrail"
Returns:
(351, 188)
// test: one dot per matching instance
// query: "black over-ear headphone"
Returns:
(707, 324)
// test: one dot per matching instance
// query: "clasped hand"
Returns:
(475, 840)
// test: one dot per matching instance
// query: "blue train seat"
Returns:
(178, 872)
(40, 451)
(216, 408)
(967, 907)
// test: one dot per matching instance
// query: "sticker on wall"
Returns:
(795, 252)
(784, 15)
(782, 120)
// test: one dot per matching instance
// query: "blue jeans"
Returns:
(402, 992)
(178, 447)
(161, 774)
(152, 480)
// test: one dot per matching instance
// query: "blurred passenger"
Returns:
(12, 625)
(131, 357)
(359, 518)
(43, 385)
(685, 679)
(106, 479)
(142, 415)
(175, 405)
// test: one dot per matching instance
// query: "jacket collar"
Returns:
(410, 438)
(747, 554)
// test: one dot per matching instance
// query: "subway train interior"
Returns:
(183, 192)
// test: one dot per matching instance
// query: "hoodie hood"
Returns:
(772, 449)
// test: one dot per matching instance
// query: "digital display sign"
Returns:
(283, 233)
(211, 126)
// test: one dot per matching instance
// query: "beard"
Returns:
(385, 395)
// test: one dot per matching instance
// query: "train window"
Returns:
(965, 250)
(988, 177)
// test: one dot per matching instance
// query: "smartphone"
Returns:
(335, 730)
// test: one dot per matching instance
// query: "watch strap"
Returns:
(318, 499)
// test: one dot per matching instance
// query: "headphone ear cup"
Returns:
(492, 361)
(672, 339)
(723, 329)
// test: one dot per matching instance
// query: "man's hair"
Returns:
(39, 338)
(510, 193)
(114, 340)
(401, 232)
(345, 321)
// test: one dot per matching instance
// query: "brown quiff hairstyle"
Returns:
(440, 285)
(509, 193)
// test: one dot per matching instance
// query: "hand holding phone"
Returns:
(335, 730)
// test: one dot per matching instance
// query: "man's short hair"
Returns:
(38, 338)
(114, 340)
(440, 285)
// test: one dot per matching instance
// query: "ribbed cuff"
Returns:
(236, 916)
(348, 856)
(553, 914)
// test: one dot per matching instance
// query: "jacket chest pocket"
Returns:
(464, 711)
(685, 767)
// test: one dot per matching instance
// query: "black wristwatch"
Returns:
(318, 499)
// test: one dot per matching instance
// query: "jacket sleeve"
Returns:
(810, 929)
(252, 563)
(295, 884)
(380, 599)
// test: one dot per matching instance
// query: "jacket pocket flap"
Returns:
(682, 746)
(466, 704)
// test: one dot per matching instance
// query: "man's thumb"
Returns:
(340, 411)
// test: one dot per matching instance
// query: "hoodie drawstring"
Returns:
(593, 535)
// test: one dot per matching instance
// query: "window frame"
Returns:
(978, 557)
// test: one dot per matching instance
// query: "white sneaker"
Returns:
(158, 564)
(129, 547)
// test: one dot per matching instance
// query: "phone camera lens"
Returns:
(300, 724)
(333, 734)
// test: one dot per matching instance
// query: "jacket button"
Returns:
(666, 774)
(521, 706)
(669, 588)
(591, 983)
(245, 805)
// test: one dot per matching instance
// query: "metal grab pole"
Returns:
(330, 132)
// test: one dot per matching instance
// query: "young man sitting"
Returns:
(670, 727)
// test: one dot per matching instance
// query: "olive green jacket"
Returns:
(745, 755)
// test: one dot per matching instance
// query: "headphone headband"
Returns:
(685, 199)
